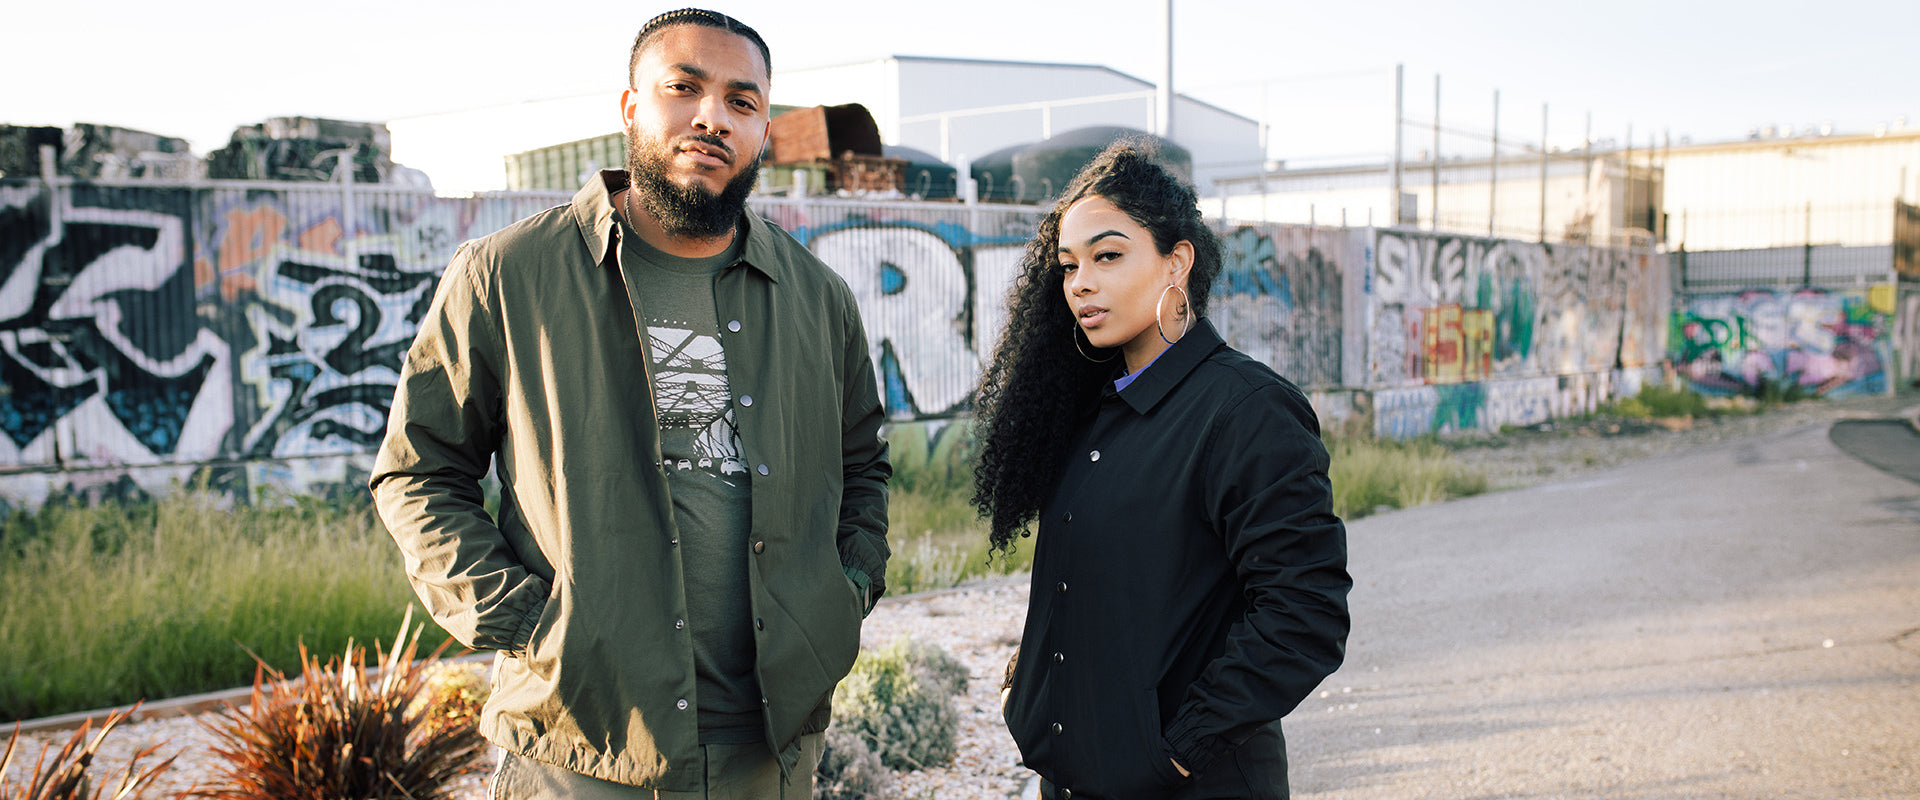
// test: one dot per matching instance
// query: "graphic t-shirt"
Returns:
(700, 445)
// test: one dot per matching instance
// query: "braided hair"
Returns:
(693, 16)
(1039, 382)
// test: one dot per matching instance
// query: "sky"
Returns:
(1320, 73)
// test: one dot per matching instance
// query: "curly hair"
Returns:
(1039, 383)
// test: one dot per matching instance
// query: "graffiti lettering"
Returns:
(1820, 342)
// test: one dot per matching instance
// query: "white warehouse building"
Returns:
(961, 109)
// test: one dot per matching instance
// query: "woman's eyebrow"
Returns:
(1096, 239)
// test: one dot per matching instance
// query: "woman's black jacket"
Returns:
(1189, 578)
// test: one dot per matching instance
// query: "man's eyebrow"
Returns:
(1097, 237)
(697, 73)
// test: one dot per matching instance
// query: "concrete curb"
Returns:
(170, 707)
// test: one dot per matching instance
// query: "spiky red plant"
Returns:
(66, 778)
(343, 731)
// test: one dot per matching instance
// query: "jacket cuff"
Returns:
(1192, 749)
(521, 638)
(860, 579)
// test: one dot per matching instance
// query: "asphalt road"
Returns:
(1737, 621)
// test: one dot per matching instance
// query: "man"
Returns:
(685, 420)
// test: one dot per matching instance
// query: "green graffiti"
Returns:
(1459, 406)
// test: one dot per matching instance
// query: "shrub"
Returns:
(899, 700)
(66, 778)
(849, 769)
(345, 732)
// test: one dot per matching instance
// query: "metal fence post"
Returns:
(1436, 153)
(1806, 255)
(1493, 169)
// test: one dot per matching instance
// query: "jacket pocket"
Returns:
(1155, 750)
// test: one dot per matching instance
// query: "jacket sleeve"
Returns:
(862, 534)
(1269, 497)
(441, 432)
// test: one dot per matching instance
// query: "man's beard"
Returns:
(689, 211)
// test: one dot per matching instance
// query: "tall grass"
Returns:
(114, 603)
(938, 540)
(106, 605)
(1371, 475)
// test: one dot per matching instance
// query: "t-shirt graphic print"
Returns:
(690, 380)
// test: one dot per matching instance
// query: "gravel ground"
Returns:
(981, 624)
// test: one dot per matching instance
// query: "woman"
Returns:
(1189, 579)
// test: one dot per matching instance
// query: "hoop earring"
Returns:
(1075, 336)
(1186, 320)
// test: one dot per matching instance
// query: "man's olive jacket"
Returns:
(530, 354)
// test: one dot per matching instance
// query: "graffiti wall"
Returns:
(1906, 335)
(1283, 298)
(249, 334)
(199, 331)
(1827, 342)
(1467, 333)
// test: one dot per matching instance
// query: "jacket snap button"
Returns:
(679, 624)
(1061, 587)
(763, 470)
(1059, 657)
(682, 705)
(760, 547)
(759, 624)
(733, 325)
(1067, 517)
(1066, 794)
(1057, 729)
(746, 399)
(1095, 455)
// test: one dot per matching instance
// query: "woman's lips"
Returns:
(1091, 316)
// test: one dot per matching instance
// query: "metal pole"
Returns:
(1806, 252)
(1666, 155)
(1399, 97)
(1543, 173)
(1436, 152)
(1164, 117)
(1586, 174)
(1493, 169)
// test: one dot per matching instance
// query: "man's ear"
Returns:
(627, 110)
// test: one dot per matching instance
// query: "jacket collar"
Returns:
(592, 211)
(1172, 367)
